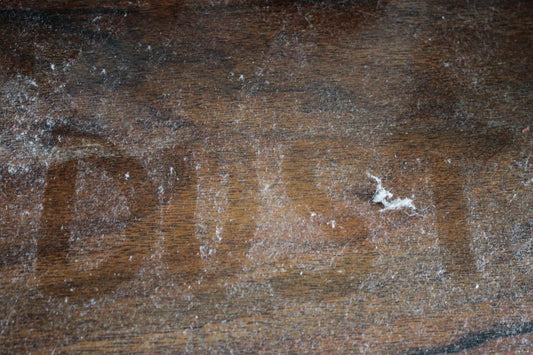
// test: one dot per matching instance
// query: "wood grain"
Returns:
(194, 177)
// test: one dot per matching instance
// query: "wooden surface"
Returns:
(203, 176)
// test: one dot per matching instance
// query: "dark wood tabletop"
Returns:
(266, 176)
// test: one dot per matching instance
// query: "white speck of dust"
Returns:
(383, 196)
(218, 232)
(331, 223)
(52, 66)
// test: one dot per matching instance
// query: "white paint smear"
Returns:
(384, 197)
